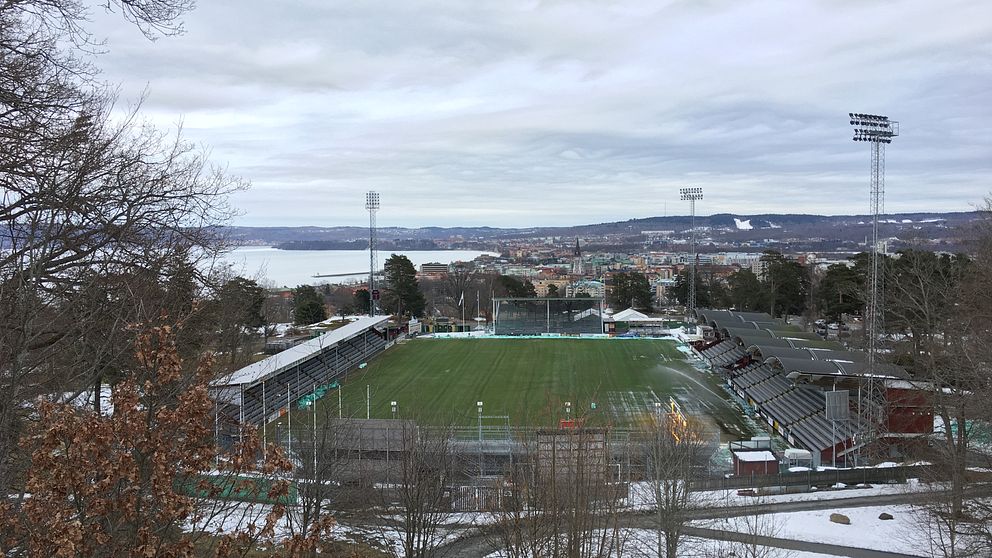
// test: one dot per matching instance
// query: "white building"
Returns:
(595, 289)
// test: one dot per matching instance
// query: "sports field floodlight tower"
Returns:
(372, 204)
(691, 195)
(878, 131)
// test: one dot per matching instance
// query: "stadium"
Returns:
(545, 360)
(546, 366)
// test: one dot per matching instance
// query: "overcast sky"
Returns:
(523, 113)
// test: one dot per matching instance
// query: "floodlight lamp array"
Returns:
(372, 200)
(867, 117)
(873, 127)
(694, 193)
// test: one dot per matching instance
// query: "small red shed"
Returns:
(747, 463)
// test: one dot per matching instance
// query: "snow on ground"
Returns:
(456, 335)
(277, 330)
(865, 531)
(707, 548)
(641, 499)
(644, 542)
(242, 515)
(387, 538)
(84, 400)
(743, 224)
(228, 517)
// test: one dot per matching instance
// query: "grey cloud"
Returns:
(527, 113)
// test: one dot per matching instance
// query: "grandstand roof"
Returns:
(841, 356)
(768, 324)
(710, 315)
(882, 369)
(749, 340)
(759, 316)
(769, 351)
(723, 323)
(294, 355)
(745, 332)
(817, 344)
(806, 366)
(790, 334)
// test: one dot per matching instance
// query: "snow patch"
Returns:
(865, 531)
(744, 225)
(85, 400)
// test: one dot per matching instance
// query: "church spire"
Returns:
(577, 259)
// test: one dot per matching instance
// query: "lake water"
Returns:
(289, 268)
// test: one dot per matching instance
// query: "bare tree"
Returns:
(417, 498)
(519, 528)
(577, 493)
(675, 450)
(754, 524)
(106, 221)
(136, 481)
(323, 467)
(945, 304)
(562, 496)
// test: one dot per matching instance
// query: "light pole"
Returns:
(656, 473)
(878, 131)
(479, 406)
(393, 406)
(691, 195)
(372, 204)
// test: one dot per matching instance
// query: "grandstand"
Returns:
(542, 316)
(783, 375)
(266, 389)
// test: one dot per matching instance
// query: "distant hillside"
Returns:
(722, 227)
(385, 245)
(276, 235)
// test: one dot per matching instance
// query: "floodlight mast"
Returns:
(691, 195)
(372, 204)
(877, 130)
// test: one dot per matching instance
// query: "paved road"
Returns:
(789, 544)
(811, 505)
(478, 545)
(474, 543)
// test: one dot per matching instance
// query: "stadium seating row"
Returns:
(797, 412)
(332, 363)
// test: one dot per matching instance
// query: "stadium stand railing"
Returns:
(261, 391)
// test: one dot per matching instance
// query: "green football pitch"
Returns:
(607, 381)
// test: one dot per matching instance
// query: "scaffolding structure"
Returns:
(691, 195)
(372, 204)
(878, 131)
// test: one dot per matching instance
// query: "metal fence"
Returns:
(866, 475)
(485, 459)
(538, 316)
